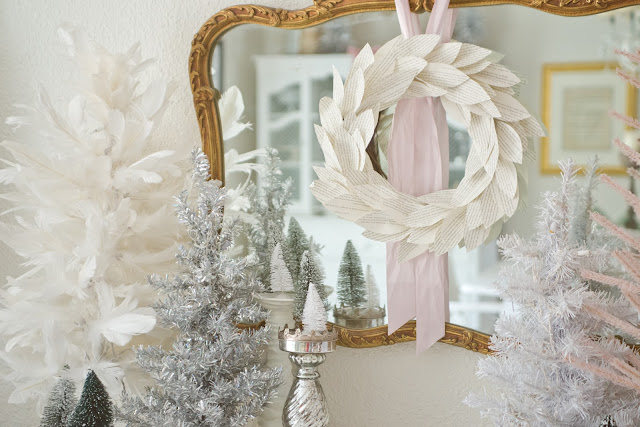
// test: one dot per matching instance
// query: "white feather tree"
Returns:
(314, 315)
(281, 280)
(91, 197)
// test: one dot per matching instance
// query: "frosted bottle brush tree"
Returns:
(90, 186)
(314, 316)
(297, 244)
(212, 375)
(310, 272)
(352, 290)
(373, 293)
(60, 404)
(536, 383)
(94, 409)
(281, 280)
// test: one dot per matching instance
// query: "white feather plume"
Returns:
(91, 195)
(231, 107)
(91, 198)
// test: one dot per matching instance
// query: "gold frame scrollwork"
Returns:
(205, 96)
(456, 335)
(205, 99)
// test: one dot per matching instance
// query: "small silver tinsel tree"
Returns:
(60, 404)
(212, 376)
(310, 272)
(268, 200)
(536, 383)
(352, 291)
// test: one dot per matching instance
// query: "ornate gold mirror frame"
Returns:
(205, 98)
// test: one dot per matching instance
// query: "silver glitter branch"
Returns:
(212, 374)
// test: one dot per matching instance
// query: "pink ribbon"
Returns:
(418, 157)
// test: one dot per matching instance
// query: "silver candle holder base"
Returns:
(306, 405)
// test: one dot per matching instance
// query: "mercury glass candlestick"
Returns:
(280, 305)
(306, 405)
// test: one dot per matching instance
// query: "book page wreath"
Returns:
(476, 90)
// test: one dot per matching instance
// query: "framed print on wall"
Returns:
(576, 101)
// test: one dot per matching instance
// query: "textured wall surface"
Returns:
(376, 387)
(391, 386)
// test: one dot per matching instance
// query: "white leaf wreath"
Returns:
(474, 89)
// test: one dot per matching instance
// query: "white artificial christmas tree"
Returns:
(621, 362)
(373, 293)
(281, 280)
(536, 383)
(314, 315)
(616, 361)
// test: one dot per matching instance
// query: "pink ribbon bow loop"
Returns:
(418, 158)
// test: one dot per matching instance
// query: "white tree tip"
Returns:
(314, 316)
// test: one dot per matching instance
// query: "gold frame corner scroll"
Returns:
(546, 165)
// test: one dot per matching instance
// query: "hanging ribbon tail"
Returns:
(409, 23)
(401, 290)
(418, 157)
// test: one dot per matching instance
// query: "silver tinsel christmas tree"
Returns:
(212, 376)
(537, 383)
(268, 200)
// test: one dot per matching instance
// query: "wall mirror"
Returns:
(282, 63)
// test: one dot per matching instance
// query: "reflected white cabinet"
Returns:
(288, 90)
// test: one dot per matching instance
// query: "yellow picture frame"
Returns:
(549, 166)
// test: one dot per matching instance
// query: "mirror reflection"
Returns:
(283, 74)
